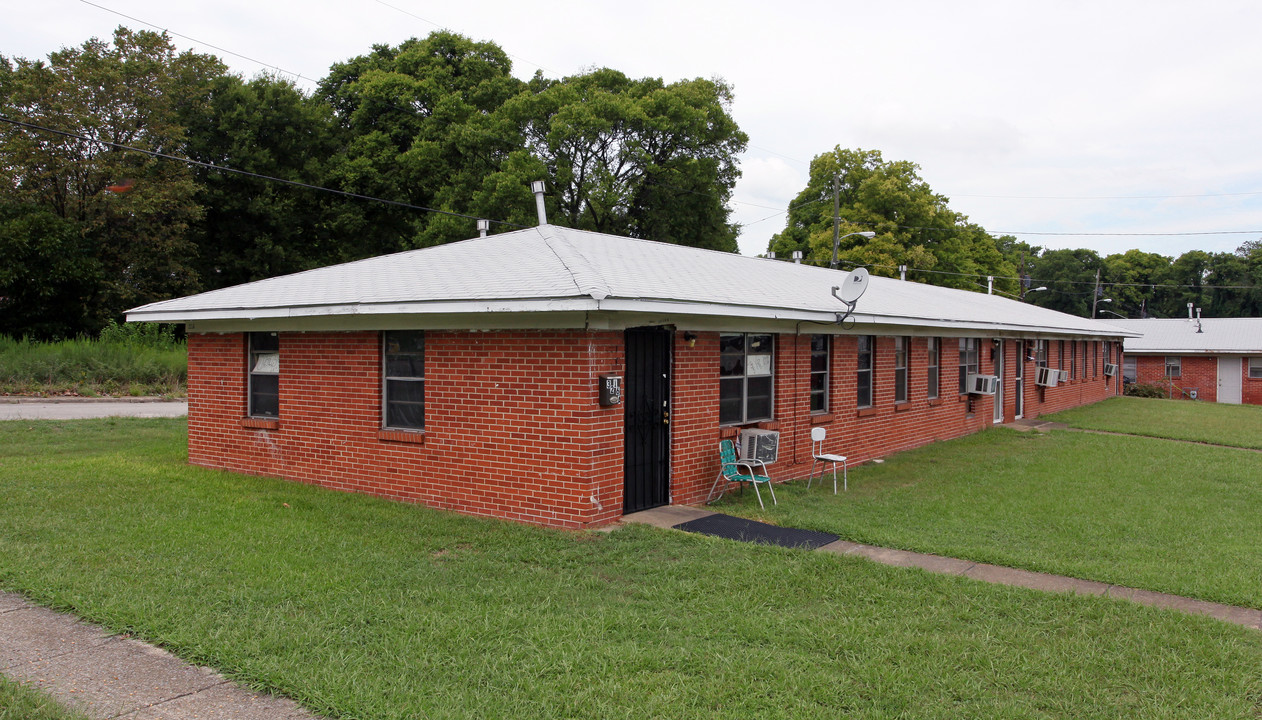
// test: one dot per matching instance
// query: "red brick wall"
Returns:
(1198, 372)
(514, 429)
(861, 434)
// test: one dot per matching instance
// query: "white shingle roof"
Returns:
(552, 268)
(1179, 336)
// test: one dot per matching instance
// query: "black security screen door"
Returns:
(646, 408)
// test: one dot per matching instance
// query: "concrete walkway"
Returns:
(112, 676)
(77, 408)
(669, 516)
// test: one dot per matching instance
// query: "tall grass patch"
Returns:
(125, 360)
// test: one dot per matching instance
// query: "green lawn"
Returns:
(362, 608)
(1135, 511)
(1235, 425)
(23, 702)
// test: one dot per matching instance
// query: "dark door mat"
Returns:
(734, 528)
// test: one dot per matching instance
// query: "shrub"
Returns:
(1146, 390)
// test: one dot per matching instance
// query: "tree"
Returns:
(914, 226)
(134, 211)
(48, 278)
(254, 228)
(1070, 277)
(1131, 271)
(418, 131)
(635, 157)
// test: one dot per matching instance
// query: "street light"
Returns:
(837, 242)
(1113, 313)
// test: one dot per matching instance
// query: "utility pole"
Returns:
(1095, 294)
(1024, 283)
(836, 219)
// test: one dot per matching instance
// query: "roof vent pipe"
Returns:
(483, 226)
(797, 257)
(1198, 321)
(1190, 312)
(538, 187)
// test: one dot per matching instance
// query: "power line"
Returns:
(223, 168)
(200, 42)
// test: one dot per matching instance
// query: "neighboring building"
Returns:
(1211, 359)
(471, 376)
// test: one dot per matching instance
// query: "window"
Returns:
(863, 380)
(264, 375)
(1095, 359)
(1073, 358)
(1060, 355)
(934, 374)
(1040, 353)
(820, 347)
(744, 378)
(1255, 367)
(901, 346)
(1130, 369)
(968, 361)
(403, 379)
(1174, 366)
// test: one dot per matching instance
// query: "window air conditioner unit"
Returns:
(982, 384)
(1110, 369)
(761, 445)
(1047, 377)
(1064, 376)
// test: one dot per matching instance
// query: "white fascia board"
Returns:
(456, 307)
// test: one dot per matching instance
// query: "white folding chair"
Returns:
(818, 456)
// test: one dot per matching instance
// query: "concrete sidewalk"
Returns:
(111, 676)
(669, 516)
(77, 408)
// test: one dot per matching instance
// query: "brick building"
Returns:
(1211, 359)
(481, 376)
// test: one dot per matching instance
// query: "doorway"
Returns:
(998, 350)
(646, 419)
(1229, 380)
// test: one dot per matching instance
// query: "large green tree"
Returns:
(634, 157)
(419, 130)
(134, 211)
(253, 227)
(914, 226)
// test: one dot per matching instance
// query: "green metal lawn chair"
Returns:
(755, 472)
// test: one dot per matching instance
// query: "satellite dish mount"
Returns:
(850, 290)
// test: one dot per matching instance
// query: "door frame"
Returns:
(998, 346)
(646, 486)
(1237, 383)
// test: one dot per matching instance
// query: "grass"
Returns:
(1220, 424)
(117, 366)
(1133, 511)
(23, 702)
(360, 608)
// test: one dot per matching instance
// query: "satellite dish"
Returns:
(853, 286)
(851, 289)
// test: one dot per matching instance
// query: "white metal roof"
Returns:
(1179, 336)
(550, 269)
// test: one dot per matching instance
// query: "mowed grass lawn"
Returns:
(1135, 511)
(1235, 425)
(361, 608)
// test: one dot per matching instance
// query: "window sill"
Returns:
(261, 423)
(822, 418)
(866, 412)
(934, 402)
(415, 437)
(902, 406)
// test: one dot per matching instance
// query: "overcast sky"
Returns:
(1053, 117)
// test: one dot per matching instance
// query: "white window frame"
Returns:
(412, 379)
(821, 395)
(902, 357)
(1255, 368)
(933, 375)
(865, 375)
(1177, 365)
(745, 375)
(970, 360)
(261, 363)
